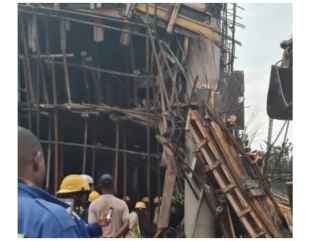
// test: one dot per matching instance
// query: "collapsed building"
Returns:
(146, 92)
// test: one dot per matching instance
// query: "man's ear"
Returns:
(37, 159)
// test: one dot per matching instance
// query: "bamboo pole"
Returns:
(116, 160)
(85, 143)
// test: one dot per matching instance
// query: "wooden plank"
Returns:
(169, 183)
(233, 202)
(219, 137)
(201, 7)
(226, 188)
(230, 222)
(172, 76)
(116, 160)
(129, 9)
(244, 212)
(182, 21)
(199, 125)
(85, 144)
(40, 66)
(238, 148)
(63, 46)
(201, 197)
(243, 202)
(173, 17)
(269, 224)
(56, 152)
(237, 167)
(248, 227)
(27, 67)
(227, 223)
(227, 174)
(125, 164)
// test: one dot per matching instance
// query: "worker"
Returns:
(89, 180)
(146, 200)
(254, 156)
(93, 195)
(146, 221)
(41, 215)
(231, 123)
(176, 215)
(156, 203)
(75, 188)
(111, 207)
(134, 224)
(129, 203)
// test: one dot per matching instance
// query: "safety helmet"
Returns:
(88, 178)
(157, 200)
(93, 196)
(145, 199)
(73, 183)
(140, 205)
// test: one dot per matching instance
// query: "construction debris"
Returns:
(140, 91)
(238, 181)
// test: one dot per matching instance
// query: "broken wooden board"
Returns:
(227, 224)
(169, 183)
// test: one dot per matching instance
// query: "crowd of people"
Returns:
(80, 208)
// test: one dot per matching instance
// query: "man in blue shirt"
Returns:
(41, 215)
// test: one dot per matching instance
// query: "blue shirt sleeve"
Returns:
(94, 230)
(57, 222)
(55, 230)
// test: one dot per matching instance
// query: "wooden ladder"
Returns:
(206, 152)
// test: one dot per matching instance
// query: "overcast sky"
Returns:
(266, 26)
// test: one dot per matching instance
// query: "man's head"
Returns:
(31, 165)
(157, 201)
(75, 187)
(141, 210)
(105, 184)
(146, 200)
(140, 207)
(90, 181)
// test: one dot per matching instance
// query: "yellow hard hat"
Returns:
(73, 183)
(93, 196)
(140, 205)
(145, 199)
(156, 200)
(88, 178)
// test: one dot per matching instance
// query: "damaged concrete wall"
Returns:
(203, 62)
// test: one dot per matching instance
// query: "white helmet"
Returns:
(88, 178)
